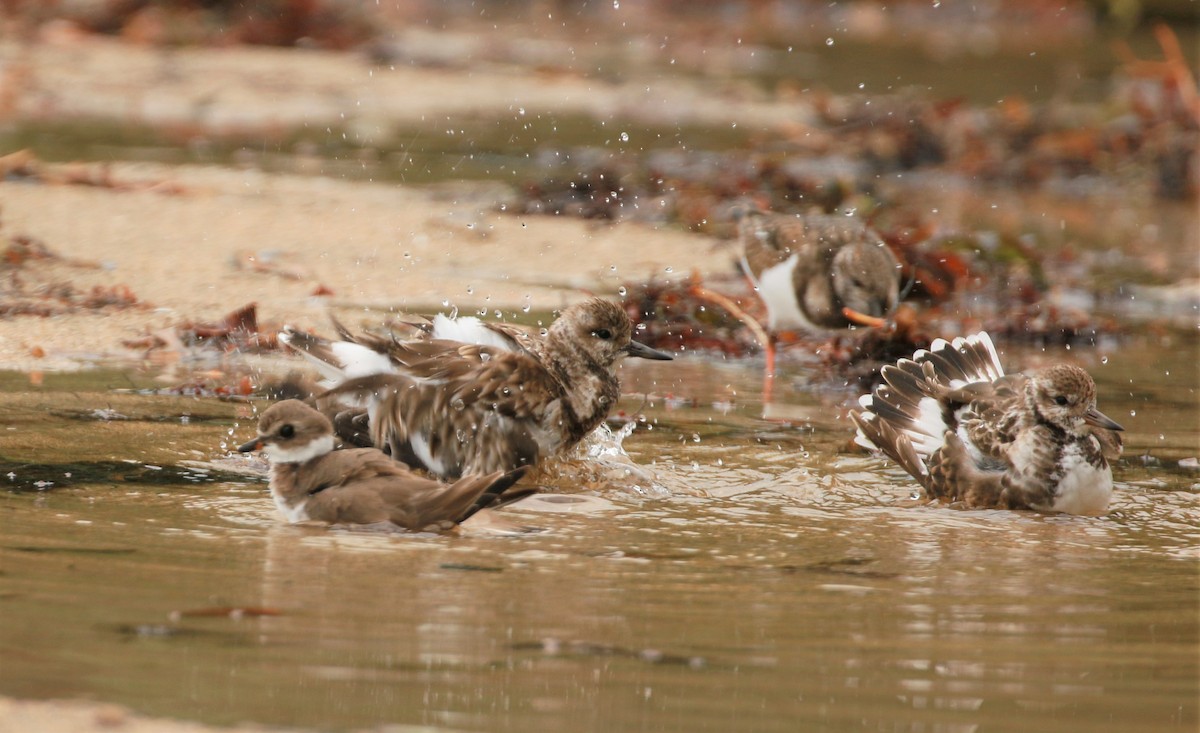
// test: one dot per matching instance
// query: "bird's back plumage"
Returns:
(454, 408)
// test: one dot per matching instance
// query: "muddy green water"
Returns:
(767, 579)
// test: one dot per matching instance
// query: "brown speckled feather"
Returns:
(968, 433)
(473, 416)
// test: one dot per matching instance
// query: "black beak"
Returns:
(1098, 419)
(640, 350)
(251, 446)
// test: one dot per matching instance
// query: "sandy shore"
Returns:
(23, 716)
(208, 240)
(234, 237)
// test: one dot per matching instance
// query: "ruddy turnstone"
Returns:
(312, 482)
(817, 272)
(967, 432)
(453, 408)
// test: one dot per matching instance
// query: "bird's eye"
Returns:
(1060, 400)
(287, 431)
(602, 333)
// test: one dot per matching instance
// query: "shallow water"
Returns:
(767, 578)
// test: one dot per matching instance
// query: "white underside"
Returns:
(294, 513)
(778, 293)
(1084, 488)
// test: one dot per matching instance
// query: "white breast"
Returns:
(1084, 489)
(294, 513)
(778, 291)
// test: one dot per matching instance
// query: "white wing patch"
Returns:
(469, 330)
(420, 447)
(351, 362)
(360, 361)
(928, 432)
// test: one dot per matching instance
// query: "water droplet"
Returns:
(470, 290)
(1133, 413)
(828, 41)
(458, 404)
(1104, 360)
(668, 269)
(695, 437)
(616, 4)
(624, 137)
(622, 291)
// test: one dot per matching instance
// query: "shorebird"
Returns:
(817, 273)
(312, 482)
(968, 433)
(453, 408)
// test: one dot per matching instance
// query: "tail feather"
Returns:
(895, 445)
(501, 491)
